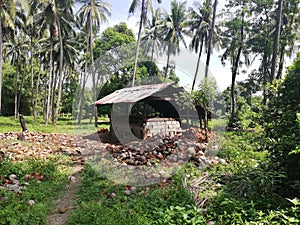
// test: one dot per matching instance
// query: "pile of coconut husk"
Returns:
(173, 149)
(18, 146)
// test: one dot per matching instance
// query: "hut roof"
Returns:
(134, 94)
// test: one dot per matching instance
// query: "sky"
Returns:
(186, 61)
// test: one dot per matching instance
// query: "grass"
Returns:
(64, 125)
(244, 191)
(145, 205)
(14, 207)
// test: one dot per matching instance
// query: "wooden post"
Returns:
(23, 125)
(96, 115)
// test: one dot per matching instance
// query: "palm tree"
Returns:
(50, 20)
(145, 6)
(174, 28)
(276, 40)
(152, 38)
(7, 17)
(65, 29)
(92, 14)
(17, 50)
(234, 43)
(199, 21)
(56, 17)
(210, 38)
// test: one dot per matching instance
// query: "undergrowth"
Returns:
(14, 207)
(244, 191)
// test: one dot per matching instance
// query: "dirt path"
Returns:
(65, 204)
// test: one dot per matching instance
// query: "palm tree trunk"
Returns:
(50, 84)
(152, 52)
(138, 42)
(16, 87)
(197, 68)
(32, 79)
(94, 94)
(235, 67)
(281, 62)
(206, 123)
(168, 62)
(21, 87)
(1, 60)
(82, 95)
(276, 40)
(211, 36)
(61, 58)
(36, 94)
(234, 73)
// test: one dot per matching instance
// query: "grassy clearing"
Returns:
(14, 207)
(64, 125)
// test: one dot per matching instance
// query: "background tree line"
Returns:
(48, 51)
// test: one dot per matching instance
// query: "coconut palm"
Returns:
(199, 23)
(151, 39)
(17, 50)
(8, 10)
(91, 15)
(210, 38)
(276, 40)
(145, 5)
(234, 42)
(174, 27)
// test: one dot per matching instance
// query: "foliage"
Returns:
(282, 123)
(112, 38)
(206, 93)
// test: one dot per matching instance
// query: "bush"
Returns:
(282, 122)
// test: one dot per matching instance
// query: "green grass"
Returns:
(64, 125)
(15, 209)
(145, 205)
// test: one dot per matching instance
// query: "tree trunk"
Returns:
(81, 100)
(276, 40)
(32, 78)
(61, 58)
(168, 62)
(138, 42)
(36, 95)
(50, 84)
(1, 61)
(152, 52)
(197, 68)
(21, 87)
(92, 63)
(23, 125)
(235, 67)
(206, 124)
(16, 87)
(211, 36)
(281, 62)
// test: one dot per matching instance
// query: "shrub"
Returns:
(282, 122)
